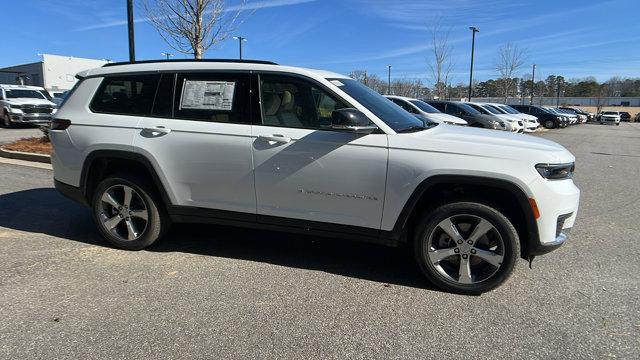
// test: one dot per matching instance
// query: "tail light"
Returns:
(60, 124)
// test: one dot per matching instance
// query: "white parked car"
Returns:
(609, 117)
(530, 122)
(25, 105)
(513, 123)
(256, 144)
(420, 107)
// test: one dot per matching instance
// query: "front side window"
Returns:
(213, 97)
(292, 102)
(396, 118)
(126, 94)
(403, 104)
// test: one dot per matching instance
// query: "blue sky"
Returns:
(570, 38)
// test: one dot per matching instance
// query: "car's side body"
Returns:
(250, 162)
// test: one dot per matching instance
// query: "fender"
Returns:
(123, 155)
(523, 201)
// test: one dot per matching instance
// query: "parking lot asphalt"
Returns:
(217, 292)
(9, 135)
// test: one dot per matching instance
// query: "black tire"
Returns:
(157, 223)
(549, 124)
(617, 124)
(6, 120)
(510, 246)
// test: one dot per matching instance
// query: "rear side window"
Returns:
(126, 95)
(213, 97)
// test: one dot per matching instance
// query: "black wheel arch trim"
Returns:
(120, 155)
(529, 245)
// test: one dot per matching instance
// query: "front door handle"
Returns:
(157, 129)
(275, 138)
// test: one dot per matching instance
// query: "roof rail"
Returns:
(192, 60)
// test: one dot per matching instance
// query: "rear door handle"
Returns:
(275, 138)
(157, 129)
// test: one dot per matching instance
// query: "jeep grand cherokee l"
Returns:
(256, 144)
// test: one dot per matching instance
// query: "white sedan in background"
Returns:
(531, 122)
(419, 107)
(514, 124)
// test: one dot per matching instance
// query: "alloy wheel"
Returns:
(123, 212)
(7, 120)
(465, 249)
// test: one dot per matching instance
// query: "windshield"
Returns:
(509, 109)
(610, 113)
(424, 106)
(491, 109)
(20, 93)
(478, 109)
(392, 115)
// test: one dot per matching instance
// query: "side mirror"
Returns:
(351, 120)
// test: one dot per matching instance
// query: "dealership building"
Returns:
(53, 72)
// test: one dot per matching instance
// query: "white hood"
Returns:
(477, 142)
(29, 101)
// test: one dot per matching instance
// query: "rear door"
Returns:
(199, 140)
(304, 170)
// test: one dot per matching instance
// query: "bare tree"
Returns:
(193, 26)
(510, 60)
(441, 65)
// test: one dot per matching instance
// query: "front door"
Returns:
(303, 169)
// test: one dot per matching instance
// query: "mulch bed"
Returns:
(38, 145)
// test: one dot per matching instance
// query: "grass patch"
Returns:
(38, 145)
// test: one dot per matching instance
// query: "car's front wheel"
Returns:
(6, 120)
(549, 124)
(129, 212)
(466, 247)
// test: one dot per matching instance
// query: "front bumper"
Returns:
(558, 202)
(33, 118)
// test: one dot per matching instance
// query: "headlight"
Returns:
(556, 171)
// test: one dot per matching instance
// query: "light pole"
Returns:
(168, 55)
(474, 30)
(240, 40)
(533, 83)
(132, 46)
(389, 80)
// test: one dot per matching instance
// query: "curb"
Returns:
(19, 155)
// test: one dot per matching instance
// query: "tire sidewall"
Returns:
(499, 221)
(156, 224)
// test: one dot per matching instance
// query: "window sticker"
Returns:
(337, 83)
(207, 95)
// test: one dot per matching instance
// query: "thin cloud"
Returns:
(256, 5)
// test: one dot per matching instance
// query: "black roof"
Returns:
(192, 60)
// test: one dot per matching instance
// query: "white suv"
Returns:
(25, 104)
(255, 144)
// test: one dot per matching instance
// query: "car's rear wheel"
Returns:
(549, 124)
(466, 247)
(128, 212)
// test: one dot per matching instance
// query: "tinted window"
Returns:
(17, 93)
(393, 116)
(127, 95)
(438, 106)
(424, 106)
(403, 104)
(295, 103)
(163, 104)
(214, 97)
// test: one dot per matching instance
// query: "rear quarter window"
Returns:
(126, 95)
